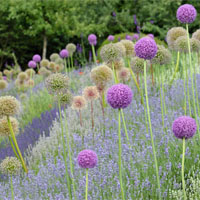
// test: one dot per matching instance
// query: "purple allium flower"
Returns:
(128, 37)
(146, 48)
(92, 38)
(136, 37)
(135, 19)
(186, 13)
(151, 36)
(32, 64)
(111, 38)
(119, 96)
(114, 14)
(87, 159)
(64, 53)
(36, 58)
(184, 127)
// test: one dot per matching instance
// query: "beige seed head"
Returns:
(79, 103)
(91, 93)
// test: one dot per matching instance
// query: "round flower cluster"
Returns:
(36, 58)
(124, 74)
(44, 72)
(137, 65)
(30, 72)
(195, 45)
(22, 76)
(44, 63)
(3, 84)
(30, 83)
(173, 34)
(119, 96)
(53, 57)
(111, 52)
(66, 98)
(181, 44)
(146, 48)
(64, 53)
(184, 127)
(71, 48)
(4, 127)
(92, 38)
(91, 93)
(111, 38)
(151, 36)
(9, 106)
(10, 166)
(129, 46)
(136, 37)
(196, 34)
(57, 83)
(162, 57)
(32, 64)
(116, 64)
(79, 103)
(87, 159)
(101, 75)
(186, 14)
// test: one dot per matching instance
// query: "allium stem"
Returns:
(13, 147)
(80, 117)
(163, 92)
(16, 145)
(11, 187)
(65, 61)
(86, 185)
(191, 74)
(64, 151)
(120, 156)
(176, 68)
(72, 63)
(134, 79)
(185, 94)
(183, 179)
(138, 79)
(150, 128)
(70, 156)
(125, 129)
(38, 67)
(68, 63)
(188, 91)
(94, 55)
(92, 115)
(152, 79)
(115, 75)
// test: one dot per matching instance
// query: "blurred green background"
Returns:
(29, 26)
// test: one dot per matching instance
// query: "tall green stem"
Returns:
(163, 92)
(176, 69)
(125, 129)
(13, 147)
(136, 83)
(72, 62)
(16, 145)
(64, 151)
(70, 155)
(11, 187)
(68, 63)
(185, 94)
(120, 156)
(94, 55)
(191, 74)
(65, 62)
(86, 185)
(150, 128)
(183, 179)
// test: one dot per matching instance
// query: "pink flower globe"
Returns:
(32, 64)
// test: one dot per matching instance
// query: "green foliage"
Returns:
(24, 24)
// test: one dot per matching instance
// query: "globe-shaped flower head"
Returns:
(3, 84)
(137, 64)
(9, 106)
(196, 34)
(146, 48)
(184, 127)
(64, 53)
(71, 48)
(87, 159)
(136, 37)
(32, 64)
(36, 58)
(57, 83)
(10, 166)
(79, 103)
(129, 46)
(186, 14)
(111, 38)
(92, 38)
(111, 52)
(119, 96)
